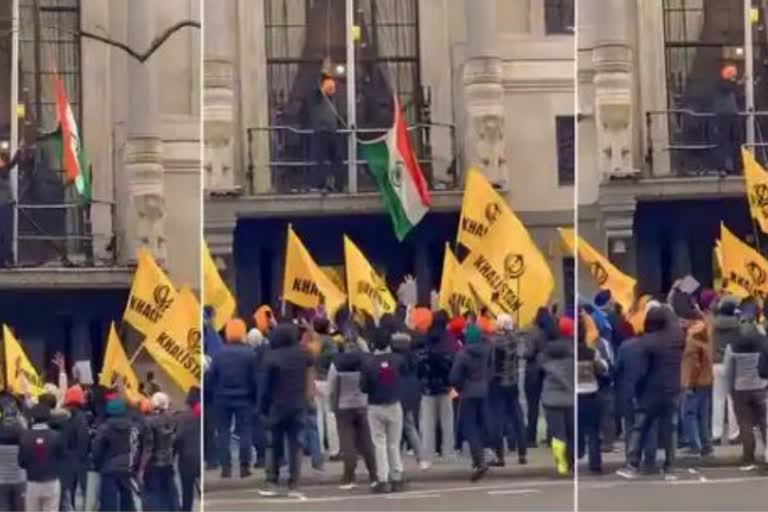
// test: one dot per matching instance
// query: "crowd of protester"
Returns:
(671, 375)
(352, 387)
(88, 447)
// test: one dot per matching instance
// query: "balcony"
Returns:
(280, 158)
(55, 234)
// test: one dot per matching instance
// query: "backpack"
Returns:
(163, 435)
(385, 374)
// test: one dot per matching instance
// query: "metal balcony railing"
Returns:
(700, 143)
(54, 226)
(286, 155)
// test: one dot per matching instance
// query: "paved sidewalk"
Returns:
(729, 455)
(539, 465)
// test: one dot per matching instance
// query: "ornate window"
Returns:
(565, 132)
(304, 37)
(559, 16)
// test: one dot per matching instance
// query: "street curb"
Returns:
(433, 475)
(462, 474)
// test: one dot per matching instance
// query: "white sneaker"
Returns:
(425, 465)
(348, 487)
(748, 467)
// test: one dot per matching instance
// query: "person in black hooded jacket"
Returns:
(283, 399)
(659, 389)
(544, 330)
(471, 376)
(116, 455)
(434, 360)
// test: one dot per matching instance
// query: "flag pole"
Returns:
(749, 82)
(351, 98)
(14, 142)
(136, 354)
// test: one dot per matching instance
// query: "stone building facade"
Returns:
(495, 78)
(655, 180)
(140, 123)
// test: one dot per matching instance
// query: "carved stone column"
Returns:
(484, 92)
(612, 60)
(144, 148)
(218, 94)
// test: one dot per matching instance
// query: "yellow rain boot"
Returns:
(559, 452)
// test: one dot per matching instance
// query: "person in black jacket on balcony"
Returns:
(6, 206)
(325, 143)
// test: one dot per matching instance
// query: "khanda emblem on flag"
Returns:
(598, 272)
(492, 212)
(757, 274)
(378, 283)
(193, 340)
(514, 266)
(162, 296)
(759, 197)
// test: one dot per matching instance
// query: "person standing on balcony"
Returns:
(6, 206)
(325, 146)
(726, 107)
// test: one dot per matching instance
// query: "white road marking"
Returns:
(514, 491)
(420, 496)
(586, 486)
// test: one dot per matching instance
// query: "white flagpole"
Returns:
(351, 97)
(14, 142)
(749, 74)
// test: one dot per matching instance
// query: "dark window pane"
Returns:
(565, 133)
(569, 283)
(559, 16)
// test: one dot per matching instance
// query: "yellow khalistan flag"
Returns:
(17, 364)
(605, 274)
(117, 365)
(730, 286)
(743, 265)
(456, 295)
(175, 344)
(504, 265)
(305, 284)
(367, 291)
(152, 294)
(756, 182)
(215, 291)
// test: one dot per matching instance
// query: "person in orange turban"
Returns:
(235, 331)
(421, 319)
(264, 319)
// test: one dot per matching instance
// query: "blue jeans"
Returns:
(160, 493)
(241, 414)
(697, 418)
(510, 424)
(311, 439)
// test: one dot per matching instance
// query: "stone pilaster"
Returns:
(219, 97)
(612, 59)
(484, 93)
(144, 149)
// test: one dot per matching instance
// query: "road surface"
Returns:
(491, 495)
(700, 490)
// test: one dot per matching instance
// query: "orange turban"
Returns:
(234, 331)
(421, 319)
(486, 325)
(729, 72)
(263, 318)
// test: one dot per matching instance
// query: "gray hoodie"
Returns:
(726, 332)
(556, 359)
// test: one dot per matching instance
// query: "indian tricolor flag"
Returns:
(398, 176)
(73, 158)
